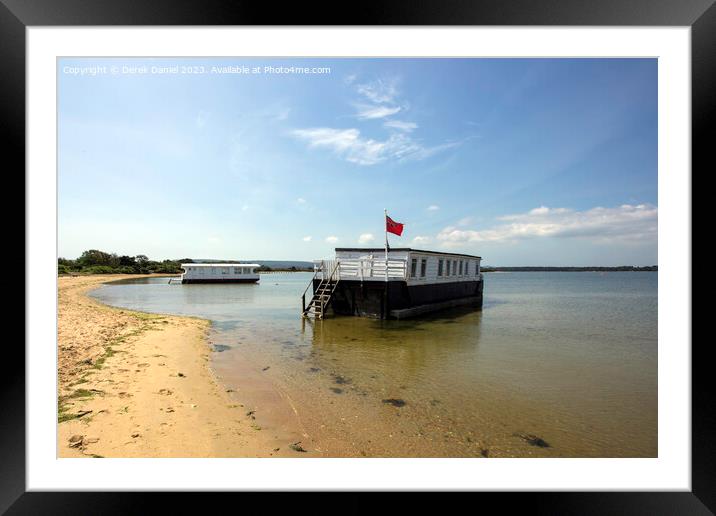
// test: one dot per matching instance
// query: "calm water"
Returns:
(569, 357)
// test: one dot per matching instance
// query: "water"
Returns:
(567, 357)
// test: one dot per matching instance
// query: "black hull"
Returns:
(396, 299)
(233, 280)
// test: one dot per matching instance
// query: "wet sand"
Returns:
(132, 384)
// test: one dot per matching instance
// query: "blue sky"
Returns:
(522, 161)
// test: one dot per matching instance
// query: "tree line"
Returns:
(100, 262)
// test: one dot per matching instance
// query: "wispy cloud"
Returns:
(380, 91)
(307, 238)
(301, 200)
(366, 112)
(346, 143)
(365, 238)
(349, 145)
(627, 223)
(401, 125)
(332, 239)
(433, 207)
(378, 102)
(421, 239)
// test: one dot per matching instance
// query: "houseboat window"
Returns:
(413, 267)
(460, 267)
(238, 270)
(454, 267)
(440, 267)
(224, 270)
(423, 266)
(447, 262)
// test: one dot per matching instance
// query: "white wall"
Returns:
(431, 269)
(217, 272)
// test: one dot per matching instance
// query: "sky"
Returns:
(520, 161)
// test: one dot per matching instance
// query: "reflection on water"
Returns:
(568, 358)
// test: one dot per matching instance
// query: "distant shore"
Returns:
(132, 384)
(623, 268)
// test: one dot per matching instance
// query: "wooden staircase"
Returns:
(318, 304)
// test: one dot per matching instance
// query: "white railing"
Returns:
(363, 269)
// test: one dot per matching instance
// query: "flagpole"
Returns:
(385, 211)
(386, 306)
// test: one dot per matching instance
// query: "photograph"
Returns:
(357, 257)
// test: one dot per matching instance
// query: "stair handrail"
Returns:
(330, 278)
(303, 296)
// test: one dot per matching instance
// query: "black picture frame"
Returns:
(700, 15)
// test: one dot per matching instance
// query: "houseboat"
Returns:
(410, 282)
(219, 273)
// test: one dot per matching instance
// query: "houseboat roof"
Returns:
(382, 250)
(220, 265)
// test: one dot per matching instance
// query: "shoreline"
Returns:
(136, 384)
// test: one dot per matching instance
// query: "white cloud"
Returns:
(365, 238)
(627, 223)
(378, 102)
(372, 112)
(350, 79)
(245, 207)
(349, 145)
(332, 239)
(301, 200)
(346, 143)
(307, 238)
(421, 240)
(433, 207)
(464, 221)
(379, 91)
(399, 124)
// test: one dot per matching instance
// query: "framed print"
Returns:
(435, 249)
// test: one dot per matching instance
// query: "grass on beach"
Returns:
(133, 384)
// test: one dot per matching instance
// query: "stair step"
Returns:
(322, 294)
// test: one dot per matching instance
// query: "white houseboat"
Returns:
(411, 282)
(219, 273)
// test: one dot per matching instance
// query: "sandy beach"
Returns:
(132, 384)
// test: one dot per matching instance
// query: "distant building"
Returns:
(219, 273)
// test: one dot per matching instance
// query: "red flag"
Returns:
(393, 227)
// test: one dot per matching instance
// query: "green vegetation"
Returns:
(100, 262)
(266, 268)
(63, 407)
